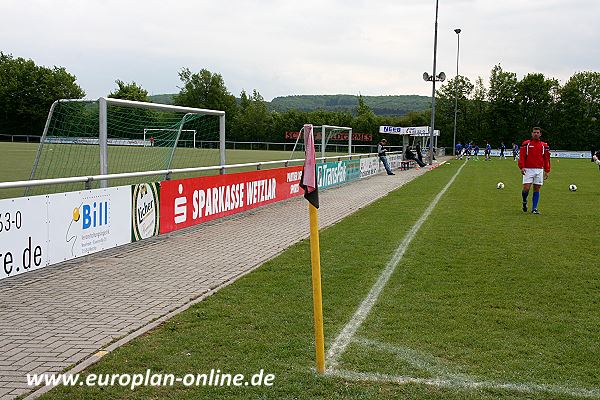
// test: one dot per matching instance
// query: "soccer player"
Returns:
(476, 152)
(502, 148)
(458, 150)
(488, 151)
(515, 150)
(534, 163)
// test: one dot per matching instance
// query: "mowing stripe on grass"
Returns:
(465, 384)
(345, 337)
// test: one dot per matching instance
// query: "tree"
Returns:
(503, 106)
(478, 110)
(459, 88)
(534, 96)
(27, 91)
(253, 122)
(206, 90)
(129, 91)
(580, 111)
(365, 120)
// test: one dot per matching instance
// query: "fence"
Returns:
(19, 138)
(87, 180)
(237, 145)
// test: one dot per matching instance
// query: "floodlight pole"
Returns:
(432, 127)
(456, 89)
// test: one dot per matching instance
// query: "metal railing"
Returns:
(233, 144)
(87, 180)
(5, 137)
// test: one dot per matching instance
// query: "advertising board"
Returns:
(188, 202)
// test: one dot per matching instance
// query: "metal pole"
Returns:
(456, 90)
(350, 142)
(42, 139)
(323, 141)
(222, 141)
(432, 127)
(103, 140)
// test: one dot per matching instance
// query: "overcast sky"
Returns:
(375, 47)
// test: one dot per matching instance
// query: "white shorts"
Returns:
(534, 175)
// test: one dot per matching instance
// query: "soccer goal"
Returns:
(183, 142)
(98, 137)
(329, 139)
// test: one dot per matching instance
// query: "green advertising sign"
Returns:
(337, 173)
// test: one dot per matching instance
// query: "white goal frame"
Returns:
(324, 138)
(103, 104)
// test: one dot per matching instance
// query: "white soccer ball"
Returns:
(572, 187)
(500, 185)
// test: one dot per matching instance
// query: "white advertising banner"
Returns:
(23, 235)
(394, 160)
(553, 154)
(88, 221)
(410, 130)
(570, 154)
(369, 166)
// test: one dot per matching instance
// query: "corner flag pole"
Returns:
(311, 193)
(315, 257)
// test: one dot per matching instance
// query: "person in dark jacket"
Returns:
(409, 155)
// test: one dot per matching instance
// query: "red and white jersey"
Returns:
(534, 154)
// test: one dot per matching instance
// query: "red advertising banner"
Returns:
(192, 201)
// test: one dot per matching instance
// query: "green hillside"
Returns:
(162, 98)
(381, 105)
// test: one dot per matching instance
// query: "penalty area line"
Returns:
(344, 338)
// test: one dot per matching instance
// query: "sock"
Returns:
(536, 198)
(524, 194)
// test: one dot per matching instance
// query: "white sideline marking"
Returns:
(465, 384)
(345, 337)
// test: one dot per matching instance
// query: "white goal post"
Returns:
(325, 139)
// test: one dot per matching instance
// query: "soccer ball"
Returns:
(572, 187)
(500, 185)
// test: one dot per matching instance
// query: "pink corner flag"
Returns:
(309, 172)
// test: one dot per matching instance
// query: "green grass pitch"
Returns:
(484, 293)
(17, 159)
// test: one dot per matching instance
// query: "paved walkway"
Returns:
(60, 315)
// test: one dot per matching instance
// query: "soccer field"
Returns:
(486, 302)
(17, 160)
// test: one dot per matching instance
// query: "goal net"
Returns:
(107, 136)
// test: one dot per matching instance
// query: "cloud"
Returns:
(290, 47)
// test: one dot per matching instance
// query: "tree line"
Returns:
(504, 110)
